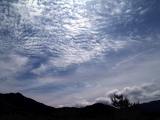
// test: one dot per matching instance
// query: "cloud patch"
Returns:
(11, 65)
(144, 93)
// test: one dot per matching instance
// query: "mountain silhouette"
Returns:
(15, 106)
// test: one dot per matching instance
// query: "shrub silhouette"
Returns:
(120, 101)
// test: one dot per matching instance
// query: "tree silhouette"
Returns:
(120, 101)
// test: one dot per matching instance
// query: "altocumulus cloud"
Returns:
(79, 50)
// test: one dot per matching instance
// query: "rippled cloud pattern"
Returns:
(71, 48)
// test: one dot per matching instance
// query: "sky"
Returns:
(78, 52)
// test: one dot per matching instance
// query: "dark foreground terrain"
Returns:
(15, 106)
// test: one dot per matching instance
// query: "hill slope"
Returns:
(15, 106)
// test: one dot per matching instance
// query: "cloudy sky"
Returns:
(77, 52)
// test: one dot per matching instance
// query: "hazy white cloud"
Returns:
(137, 77)
(142, 93)
(11, 64)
